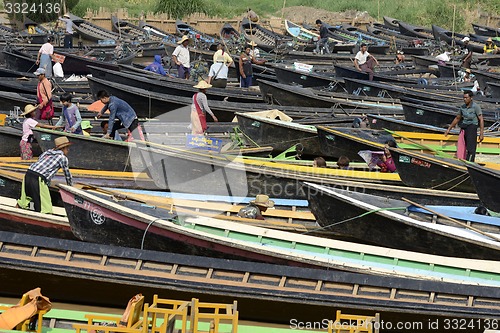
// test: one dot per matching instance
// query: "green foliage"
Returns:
(37, 10)
(178, 9)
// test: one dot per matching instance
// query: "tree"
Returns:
(179, 8)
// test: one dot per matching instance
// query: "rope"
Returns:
(146, 230)
(451, 180)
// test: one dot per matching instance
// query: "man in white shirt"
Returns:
(68, 36)
(181, 58)
(365, 62)
(217, 75)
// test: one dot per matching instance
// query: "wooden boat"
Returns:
(259, 288)
(173, 86)
(183, 28)
(279, 134)
(11, 138)
(18, 62)
(101, 154)
(349, 141)
(40, 35)
(494, 89)
(291, 76)
(453, 38)
(415, 31)
(92, 32)
(381, 221)
(391, 22)
(486, 182)
(157, 33)
(382, 122)
(127, 29)
(254, 243)
(371, 38)
(421, 170)
(485, 31)
(282, 94)
(266, 39)
(483, 77)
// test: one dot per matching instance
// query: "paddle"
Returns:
(462, 224)
(437, 152)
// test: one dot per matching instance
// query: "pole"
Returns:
(283, 10)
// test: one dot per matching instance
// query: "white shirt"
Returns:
(47, 48)
(28, 125)
(218, 71)
(361, 57)
(182, 54)
(69, 24)
(443, 57)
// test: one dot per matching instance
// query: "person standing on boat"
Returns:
(246, 70)
(323, 37)
(70, 115)
(45, 57)
(127, 118)
(200, 108)
(181, 58)
(156, 66)
(44, 96)
(468, 51)
(256, 207)
(217, 75)
(28, 124)
(222, 54)
(469, 117)
(68, 35)
(36, 182)
(489, 47)
(365, 62)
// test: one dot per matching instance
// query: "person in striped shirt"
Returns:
(37, 179)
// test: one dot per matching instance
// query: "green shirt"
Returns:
(470, 114)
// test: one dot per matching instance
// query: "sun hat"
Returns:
(39, 71)
(183, 39)
(66, 16)
(468, 70)
(203, 85)
(28, 109)
(86, 124)
(262, 200)
(466, 39)
(489, 40)
(252, 43)
(61, 142)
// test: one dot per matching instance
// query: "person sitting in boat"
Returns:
(156, 66)
(252, 16)
(443, 58)
(365, 62)
(256, 207)
(70, 115)
(200, 108)
(468, 52)
(386, 163)
(36, 182)
(490, 47)
(181, 58)
(28, 124)
(400, 58)
(343, 163)
(86, 127)
(319, 162)
(127, 118)
(323, 37)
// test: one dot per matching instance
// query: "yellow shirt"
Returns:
(490, 49)
(224, 57)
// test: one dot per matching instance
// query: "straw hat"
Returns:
(86, 124)
(66, 16)
(203, 85)
(252, 43)
(468, 71)
(489, 40)
(466, 39)
(61, 142)
(183, 39)
(262, 200)
(28, 109)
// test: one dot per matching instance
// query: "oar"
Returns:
(462, 224)
(437, 152)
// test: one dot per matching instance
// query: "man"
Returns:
(489, 47)
(469, 117)
(126, 115)
(256, 207)
(181, 58)
(156, 66)
(365, 62)
(36, 182)
(44, 96)
(467, 49)
(323, 37)
(245, 67)
(217, 75)
(68, 36)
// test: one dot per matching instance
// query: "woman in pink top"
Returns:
(28, 124)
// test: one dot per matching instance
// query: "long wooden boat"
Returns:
(151, 30)
(259, 288)
(266, 39)
(391, 22)
(483, 77)
(453, 38)
(92, 32)
(494, 89)
(99, 217)
(126, 29)
(18, 62)
(485, 30)
(421, 170)
(101, 154)
(381, 221)
(394, 124)
(415, 31)
(11, 138)
(486, 182)
(291, 76)
(183, 28)
(373, 45)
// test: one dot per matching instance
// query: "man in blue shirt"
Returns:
(120, 109)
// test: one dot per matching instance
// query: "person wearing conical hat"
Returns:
(490, 47)
(181, 58)
(37, 179)
(256, 207)
(28, 124)
(200, 108)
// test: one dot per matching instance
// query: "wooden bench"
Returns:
(215, 313)
(354, 323)
(25, 325)
(163, 314)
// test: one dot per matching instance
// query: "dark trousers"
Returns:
(246, 82)
(32, 189)
(219, 83)
(68, 41)
(470, 142)
(136, 134)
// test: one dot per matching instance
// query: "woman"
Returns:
(70, 115)
(28, 124)
(45, 55)
(44, 96)
(199, 109)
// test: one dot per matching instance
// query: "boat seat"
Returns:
(215, 314)
(30, 309)
(348, 323)
(132, 320)
(165, 312)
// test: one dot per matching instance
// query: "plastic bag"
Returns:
(58, 70)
